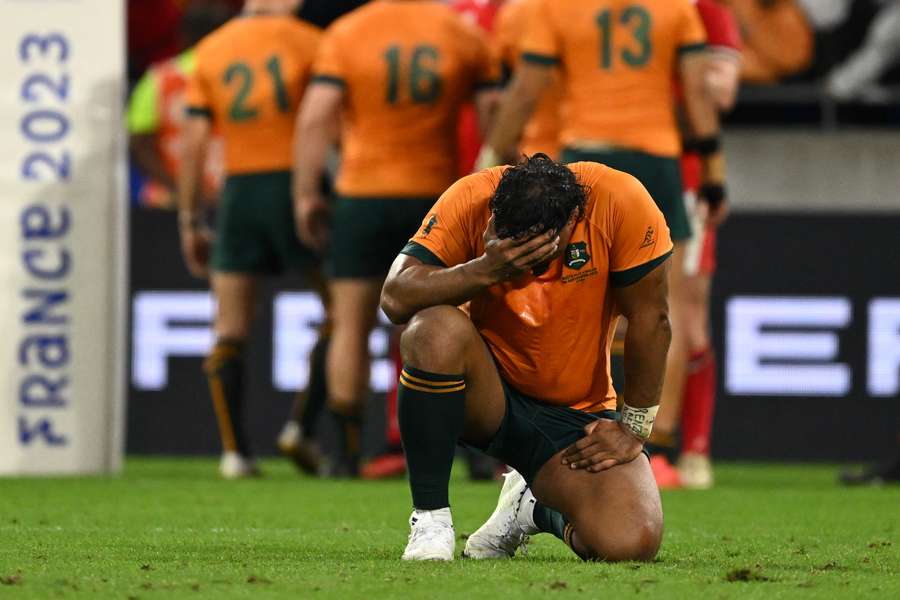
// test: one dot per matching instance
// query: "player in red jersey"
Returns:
(482, 13)
(698, 399)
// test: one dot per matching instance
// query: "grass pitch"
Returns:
(168, 528)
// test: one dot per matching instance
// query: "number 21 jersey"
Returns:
(249, 78)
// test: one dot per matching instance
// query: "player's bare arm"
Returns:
(195, 236)
(702, 114)
(645, 305)
(144, 151)
(317, 130)
(517, 106)
(487, 103)
(412, 285)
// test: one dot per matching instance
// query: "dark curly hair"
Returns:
(535, 196)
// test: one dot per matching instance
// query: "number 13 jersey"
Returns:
(618, 60)
(406, 67)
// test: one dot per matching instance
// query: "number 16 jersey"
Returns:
(249, 78)
(406, 67)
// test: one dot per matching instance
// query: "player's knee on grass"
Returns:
(436, 339)
(618, 541)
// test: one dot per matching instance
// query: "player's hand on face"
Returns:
(195, 248)
(507, 258)
(313, 216)
(605, 444)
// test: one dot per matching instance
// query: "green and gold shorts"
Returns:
(255, 230)
(368, 234)
(532, 431)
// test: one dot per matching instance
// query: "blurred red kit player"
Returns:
(482, 13)
(724, 47)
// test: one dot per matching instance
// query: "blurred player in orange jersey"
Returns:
(389, 82)
(619, 61)
(249, 78)
(156, 116)
(541, 133)
(723, 58)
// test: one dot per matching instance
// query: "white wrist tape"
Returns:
(639, 420)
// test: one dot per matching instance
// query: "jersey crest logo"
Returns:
(430, 225)
(649, 238)
(577, 255)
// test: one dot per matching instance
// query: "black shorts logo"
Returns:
(577, 255)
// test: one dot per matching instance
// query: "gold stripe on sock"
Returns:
(431, 383)
(420, 388)
(226, 428)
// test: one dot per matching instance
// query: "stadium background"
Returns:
(813, 178)
(805, 313)
(805, 308)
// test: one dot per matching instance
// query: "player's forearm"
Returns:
(146, 156)
(703, 122)
(315, 135)
(190, 176)
(517, 106)
(418, 287)
(646, 347)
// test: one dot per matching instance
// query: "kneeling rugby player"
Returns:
(542, 258)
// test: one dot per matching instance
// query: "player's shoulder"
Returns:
(474, 191)
(606, 187)
(302, 29)
(512, 12)
(209, 45)
(362, 17)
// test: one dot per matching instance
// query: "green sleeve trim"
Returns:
(635, 274)
(199, 111)
(419, 251)
(143, 113)
(329, 79)
(688, 48)
(540, 59)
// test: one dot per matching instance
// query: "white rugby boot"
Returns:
(695, 471)
(235, 466)
(431, 535)
(508, 528)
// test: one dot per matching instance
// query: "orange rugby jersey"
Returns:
(249, 79)
(551, 334)
(619, 63)
(541, 133)
(407, 67)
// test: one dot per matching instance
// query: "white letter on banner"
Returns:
(157, 334)
(763, 362)
(884, 347)
(295, 319)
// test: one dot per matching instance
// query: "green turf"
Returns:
(170, 529)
